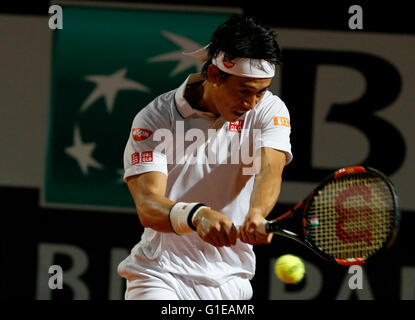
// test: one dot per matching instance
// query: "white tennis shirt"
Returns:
(205, 160)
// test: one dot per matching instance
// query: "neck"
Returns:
(199, 97)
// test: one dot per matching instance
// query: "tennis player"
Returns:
(201, 213)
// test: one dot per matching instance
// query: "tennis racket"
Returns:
(351, 216)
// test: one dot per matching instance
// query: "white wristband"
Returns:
(181, 216)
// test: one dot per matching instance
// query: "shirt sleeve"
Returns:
(143, 153)
(276, 128)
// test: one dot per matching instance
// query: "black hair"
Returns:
(244, 36)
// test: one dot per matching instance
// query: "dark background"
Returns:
(395, 17)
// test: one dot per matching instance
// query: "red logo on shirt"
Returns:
(141, 134)
(147, 156)
(135, 158)
(236, 126)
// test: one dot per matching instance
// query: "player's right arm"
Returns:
(148, 190)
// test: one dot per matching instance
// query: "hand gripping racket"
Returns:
(352, 215)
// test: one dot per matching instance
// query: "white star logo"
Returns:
(185, 62)
(82, 152)
(108, 87)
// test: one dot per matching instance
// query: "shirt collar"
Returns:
(183, 106)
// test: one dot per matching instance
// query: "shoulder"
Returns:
(271, 106)
(159, 111)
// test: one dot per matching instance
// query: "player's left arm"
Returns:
(264, 195)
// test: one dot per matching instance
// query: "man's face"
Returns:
(236, 95)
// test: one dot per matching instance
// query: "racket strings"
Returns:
(351, 217)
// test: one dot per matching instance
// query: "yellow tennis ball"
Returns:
(289, 269)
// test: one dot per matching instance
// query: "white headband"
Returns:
(243, 67)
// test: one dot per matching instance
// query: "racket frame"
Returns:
(302, 209)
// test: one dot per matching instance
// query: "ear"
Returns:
(213, 74)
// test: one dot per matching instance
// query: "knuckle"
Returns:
(216, 228)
